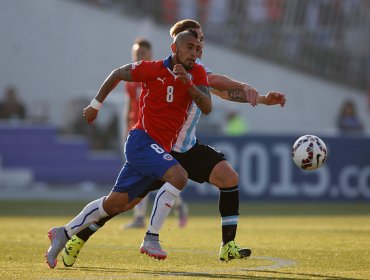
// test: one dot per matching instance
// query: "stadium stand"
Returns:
(52, 159)
(312, 36)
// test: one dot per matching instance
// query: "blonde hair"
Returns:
(183, 25)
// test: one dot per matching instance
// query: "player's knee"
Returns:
(177, 176)
(113, 205)
(234, 179)
(114, 209)
(224, 176)
(182, 178)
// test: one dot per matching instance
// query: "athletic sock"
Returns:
(229, 210)
(92, 212)
(140, 208)
(94, 227)
(163, 203)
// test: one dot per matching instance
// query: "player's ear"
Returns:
(173, 48)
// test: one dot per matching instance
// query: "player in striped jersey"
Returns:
(168, 89)
(205, 164)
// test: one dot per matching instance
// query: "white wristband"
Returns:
(95, 104)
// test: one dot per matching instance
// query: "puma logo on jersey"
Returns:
(162, 80)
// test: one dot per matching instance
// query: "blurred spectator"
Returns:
(236, 125)
(275, 10)
(348, 121)
(187, 9)
(39, 112)
(216, 18)
(11, 107)
(169, 10)
(256, 11)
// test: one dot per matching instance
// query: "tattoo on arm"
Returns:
(124, 73)
(237, 95)
(202, 98)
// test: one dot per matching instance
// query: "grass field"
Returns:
(289, 241)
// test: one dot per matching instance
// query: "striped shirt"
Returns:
(186, 138)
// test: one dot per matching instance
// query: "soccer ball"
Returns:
(309, 152)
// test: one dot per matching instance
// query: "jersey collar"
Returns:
(167, 62)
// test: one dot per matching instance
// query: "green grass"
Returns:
(289, 241)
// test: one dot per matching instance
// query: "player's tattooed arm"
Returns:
(235, 95)
(233, 90)
(120, 74)
(247, 94)
(202, 98)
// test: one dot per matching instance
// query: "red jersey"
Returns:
(133, 90)
(164, 100)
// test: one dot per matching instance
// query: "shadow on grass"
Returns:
(199, 275)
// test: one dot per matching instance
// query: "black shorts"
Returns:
(198, 162)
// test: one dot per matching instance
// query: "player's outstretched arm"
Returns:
(120, 74)
(232, 90)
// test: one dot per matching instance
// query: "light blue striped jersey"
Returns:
(186, 138)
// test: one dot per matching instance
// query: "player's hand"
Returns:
(274, 98)
(90, 114)
(251, 94)
(181, 73)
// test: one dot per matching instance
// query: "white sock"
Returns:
(92, 212)
(163, 203)
(140, 209)
(178, 202)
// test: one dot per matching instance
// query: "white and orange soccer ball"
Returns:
(309, 152)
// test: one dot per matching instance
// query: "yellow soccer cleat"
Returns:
(71, 250)
(232, 251)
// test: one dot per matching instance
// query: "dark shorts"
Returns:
(198, 162)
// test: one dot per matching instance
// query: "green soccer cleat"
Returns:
(232, 251)
(71, 250)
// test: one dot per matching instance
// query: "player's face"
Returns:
(201, 39)
(187, 52)
(141, 53)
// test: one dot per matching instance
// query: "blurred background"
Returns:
(55, 54)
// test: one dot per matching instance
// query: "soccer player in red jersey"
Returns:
(142, 50)
(168, 89)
